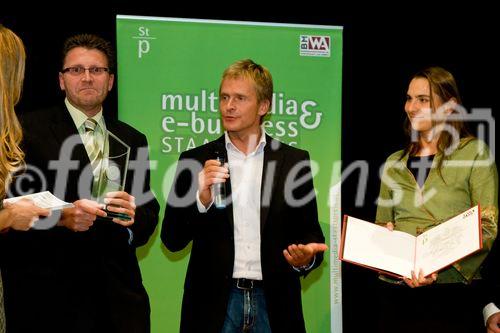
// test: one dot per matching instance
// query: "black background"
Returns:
(383, 46)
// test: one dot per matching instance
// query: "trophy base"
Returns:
(121, 216)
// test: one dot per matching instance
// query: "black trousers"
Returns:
(440, 308)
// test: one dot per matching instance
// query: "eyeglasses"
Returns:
(79, 70)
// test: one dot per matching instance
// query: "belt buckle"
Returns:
(244, 284)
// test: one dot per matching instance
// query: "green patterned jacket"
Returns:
(468, 176)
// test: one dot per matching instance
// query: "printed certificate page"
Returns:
(449, 242)
(371, 245)
(43, 200)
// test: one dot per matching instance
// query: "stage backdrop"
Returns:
(169, 72)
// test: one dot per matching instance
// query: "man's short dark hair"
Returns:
(89, 41)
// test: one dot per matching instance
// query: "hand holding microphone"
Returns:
(212, 180)
(219, 189)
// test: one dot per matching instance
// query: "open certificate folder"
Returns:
(43, 200)
(399, 253)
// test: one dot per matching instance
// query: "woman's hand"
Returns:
(421, 281)
(22, 214)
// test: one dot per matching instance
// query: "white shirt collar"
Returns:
(258, 149)
(79, 116)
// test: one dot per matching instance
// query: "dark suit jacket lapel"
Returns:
(273, 158)
(63, 127)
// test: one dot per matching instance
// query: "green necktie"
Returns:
(92, 146)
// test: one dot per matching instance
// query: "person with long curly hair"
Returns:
(22, 214)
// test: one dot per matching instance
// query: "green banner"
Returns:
(169, 72)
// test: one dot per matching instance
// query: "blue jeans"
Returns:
(246, 312)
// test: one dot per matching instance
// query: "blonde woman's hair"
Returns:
(12, 62)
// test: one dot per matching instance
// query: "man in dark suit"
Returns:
(246, 258)
(78, 272)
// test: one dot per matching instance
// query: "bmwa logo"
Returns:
(315, 46)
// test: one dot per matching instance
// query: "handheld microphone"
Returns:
(219, 189)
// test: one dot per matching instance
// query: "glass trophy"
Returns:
(113, 172)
